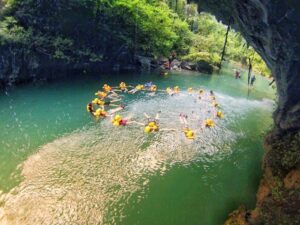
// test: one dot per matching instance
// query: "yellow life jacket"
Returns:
(220, 115)
(97, 101)
(123, 86)
(215, 104)
(209, 123)
(189, 134)
(151, 127)
(147, 129)
(139, 87)
(151, 124)
(100, 113)
(153, 88)
(107, 88)
(101, 103)
(101, 94)
(116, 121)
(176, 89)
(190, 90)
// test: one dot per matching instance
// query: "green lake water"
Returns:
(60, 166)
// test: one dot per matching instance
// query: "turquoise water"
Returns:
(59, 165)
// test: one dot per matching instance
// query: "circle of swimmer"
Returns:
(108, 103)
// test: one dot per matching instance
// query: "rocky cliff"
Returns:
(272, 27)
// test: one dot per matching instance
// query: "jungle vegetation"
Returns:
(95, 30)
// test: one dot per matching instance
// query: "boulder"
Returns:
(185, 65)
(175, 63)
(204, 67)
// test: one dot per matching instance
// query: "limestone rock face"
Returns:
(272, 27)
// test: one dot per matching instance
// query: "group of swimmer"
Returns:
(108, 103)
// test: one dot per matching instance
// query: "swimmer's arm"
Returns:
(114, 93)
(116, 100)
(135, 122)
(132, 91)
(146, 115)
(113, 96)
(157, 116)
(114, 105)
(168, 129)
(185, 121)
(181, 120)
(115, 110)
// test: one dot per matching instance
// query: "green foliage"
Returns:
(155, 28)
(209, 37)
(95, 30)
(11, 32)
(212, 59)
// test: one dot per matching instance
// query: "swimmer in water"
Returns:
(123, 87)
(117, 120)
(176, 90)
(115, 110)
(106, 103)
(189, 134)
(90, 108)
(153, 88)
(107, 88)
(110, 90)
(215, 104)
(220, 114)
(212, 95)
(101, 113)
(148, 84)
(102, 95)
(137, 88)
(201, 92)
(152, 124)
(170, 91)
(209, 123)
(150, 119)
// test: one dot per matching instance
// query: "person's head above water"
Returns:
(89, 107)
